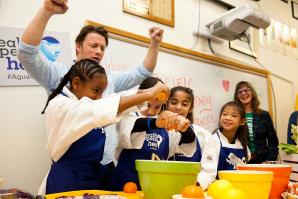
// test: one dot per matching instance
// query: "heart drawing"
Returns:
(226, 85)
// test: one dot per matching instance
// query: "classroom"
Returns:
(189, 56)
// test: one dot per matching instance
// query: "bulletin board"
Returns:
(212, 79)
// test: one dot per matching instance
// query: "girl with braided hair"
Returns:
(75, 117)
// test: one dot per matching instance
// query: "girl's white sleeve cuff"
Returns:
(205, 180)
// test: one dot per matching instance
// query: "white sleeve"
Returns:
(126, 139)
(67, 120)
(137, 108)
(209, 162)
(203, 135)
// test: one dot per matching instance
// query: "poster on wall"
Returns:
(280, 38)
(55, 46)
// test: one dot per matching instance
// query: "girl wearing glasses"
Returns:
(262, 138)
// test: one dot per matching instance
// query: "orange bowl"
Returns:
(281, 176)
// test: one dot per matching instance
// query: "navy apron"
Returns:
(156, 141)
(224, 163)
(79, 168)
(197, 156)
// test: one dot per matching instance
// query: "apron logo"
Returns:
(153, 140)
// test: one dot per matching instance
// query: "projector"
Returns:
(233, 24)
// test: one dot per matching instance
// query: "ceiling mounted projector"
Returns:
(233, 24)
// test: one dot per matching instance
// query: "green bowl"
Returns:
(162, 179)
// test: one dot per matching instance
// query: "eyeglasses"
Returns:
(246, 90)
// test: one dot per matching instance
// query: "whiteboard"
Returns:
(213, 82)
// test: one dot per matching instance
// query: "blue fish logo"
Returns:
(50, 47)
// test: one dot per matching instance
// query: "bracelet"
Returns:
(148, 123)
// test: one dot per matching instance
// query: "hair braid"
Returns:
(55, 92)
(84, 69)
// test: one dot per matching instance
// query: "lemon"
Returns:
(217, 188)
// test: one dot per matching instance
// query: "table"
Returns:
(138, 195)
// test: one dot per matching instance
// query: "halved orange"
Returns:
(192, 191)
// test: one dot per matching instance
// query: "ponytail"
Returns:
(58, 90)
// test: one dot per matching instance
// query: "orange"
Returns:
(192, 191)
(130, 187)
(216, 189)
(162, 97)
(233, 193)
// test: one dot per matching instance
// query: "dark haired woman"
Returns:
(262, 138)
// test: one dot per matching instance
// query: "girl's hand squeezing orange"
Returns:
(172, 121)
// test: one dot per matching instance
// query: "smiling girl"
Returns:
(181, 101)
(76, 115)
(147, 133)
(227, 145)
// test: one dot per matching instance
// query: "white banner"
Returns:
(55, 46)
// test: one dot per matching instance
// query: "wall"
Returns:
(23, 162)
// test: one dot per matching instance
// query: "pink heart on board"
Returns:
(226, 85)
